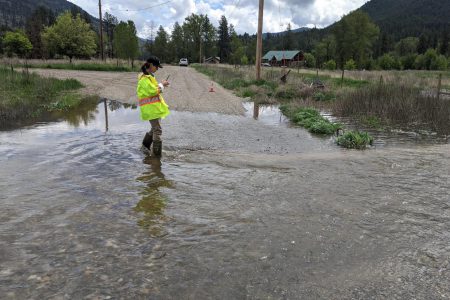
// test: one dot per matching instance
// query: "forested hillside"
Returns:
(396, 19)
(14, 13)
(402, 18)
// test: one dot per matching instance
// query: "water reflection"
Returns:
(255, 111)
(82, 114)
(153, 202)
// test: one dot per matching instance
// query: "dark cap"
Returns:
(154, 61)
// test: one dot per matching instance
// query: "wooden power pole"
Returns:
(259, 40)
(101, 28)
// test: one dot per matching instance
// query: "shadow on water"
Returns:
(153, 202)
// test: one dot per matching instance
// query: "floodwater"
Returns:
(237, 208)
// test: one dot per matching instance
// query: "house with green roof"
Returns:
(283, 58)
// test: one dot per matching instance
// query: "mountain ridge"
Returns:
(13, 14)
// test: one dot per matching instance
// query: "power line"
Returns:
(235, 6)
(141, 9)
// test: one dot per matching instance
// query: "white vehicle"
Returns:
(183, 62)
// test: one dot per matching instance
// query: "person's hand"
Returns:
(165, 83)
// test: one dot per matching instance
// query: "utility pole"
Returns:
(259, 40)
(101, 28)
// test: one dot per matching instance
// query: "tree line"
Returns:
(355, 42)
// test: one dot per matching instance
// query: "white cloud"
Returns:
(241, 13)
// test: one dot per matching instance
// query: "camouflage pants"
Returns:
(156, 131)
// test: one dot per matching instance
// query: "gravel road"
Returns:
(189, 90)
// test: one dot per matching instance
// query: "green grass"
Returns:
(25, 96)
(86, 67)
(355, 140)
(310, 119)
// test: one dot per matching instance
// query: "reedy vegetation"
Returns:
(26, 97)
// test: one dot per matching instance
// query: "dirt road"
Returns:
(189, 90)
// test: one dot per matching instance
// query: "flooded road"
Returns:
(237, 208)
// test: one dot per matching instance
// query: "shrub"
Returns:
(355, 140)
(388, 62)
(350, 65)
(310, 60)
(439, 63)
(330, 65)
(408, 61)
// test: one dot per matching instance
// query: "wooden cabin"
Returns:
(283, 58)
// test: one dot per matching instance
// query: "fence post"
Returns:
(106, 115)
(342, 78)
(439, 86)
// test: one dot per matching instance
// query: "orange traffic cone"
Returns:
(211, 89)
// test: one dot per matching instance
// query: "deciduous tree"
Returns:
(16, 43)
(69, 36)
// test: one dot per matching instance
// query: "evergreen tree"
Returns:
(34, 26)
(209, 38)
(423, 44)
(288, 39)
(224, 40)
(177, 42)
(444, 43)
(160, 47)
(126, 41)
(109, 22)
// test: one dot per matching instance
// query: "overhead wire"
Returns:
(236, 4)
(141, 9)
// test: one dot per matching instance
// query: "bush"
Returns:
(350, 65)
(439, 63)
(408, 61)
(371, 64)
(355, 140)
(419, 63)
(431, 60)
(310, 60)
(388, 62)
(330, 65)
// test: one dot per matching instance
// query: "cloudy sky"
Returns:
(241, 13)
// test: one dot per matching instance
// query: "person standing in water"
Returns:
(151, 103)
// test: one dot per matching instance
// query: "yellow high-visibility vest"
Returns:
(151, 102)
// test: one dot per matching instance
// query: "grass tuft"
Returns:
(355, 140)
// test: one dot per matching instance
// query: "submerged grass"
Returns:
(355, 140)
(380, 100)
(28, 96)
(311, 119)
(397, 104)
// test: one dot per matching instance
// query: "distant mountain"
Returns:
(14, 13)
(402, 18)
(301, 29)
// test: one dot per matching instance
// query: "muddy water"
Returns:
(237, 208)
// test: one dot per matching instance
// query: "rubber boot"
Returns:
(148, 139)
(157, 148)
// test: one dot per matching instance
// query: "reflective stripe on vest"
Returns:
(149, 100)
